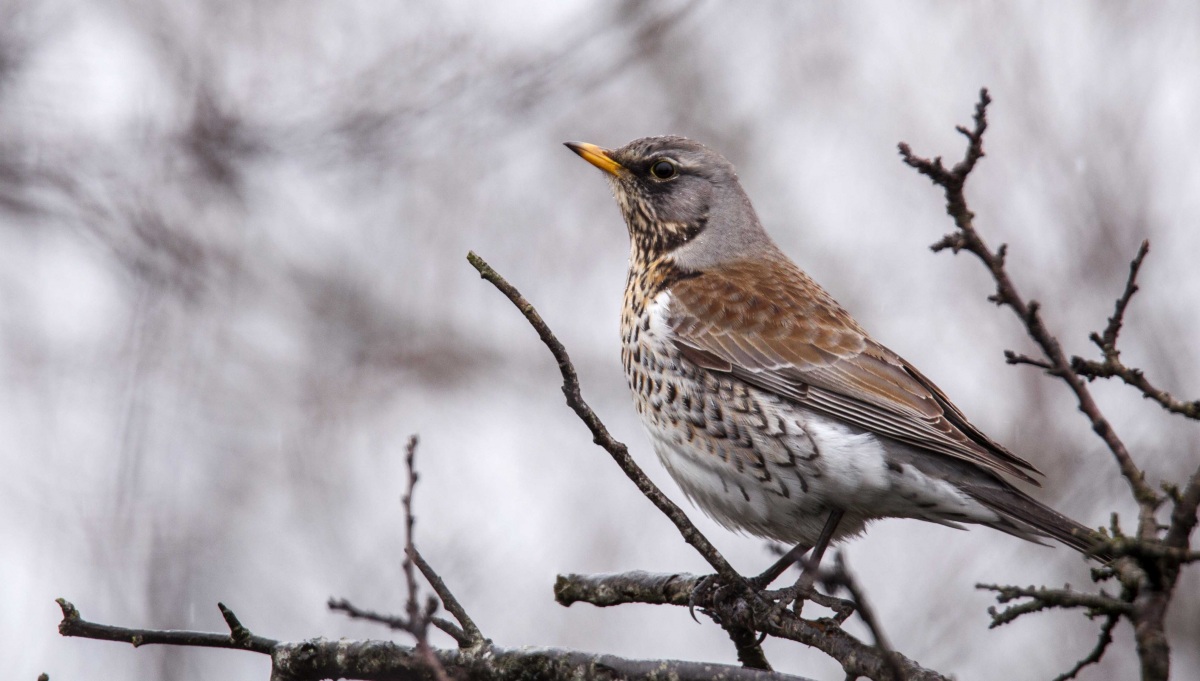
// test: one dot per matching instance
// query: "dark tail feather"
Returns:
(1025, 516)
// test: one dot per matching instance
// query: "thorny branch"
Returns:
(1147, 565)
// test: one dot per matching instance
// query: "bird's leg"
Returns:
(812, 565)
(780, 566)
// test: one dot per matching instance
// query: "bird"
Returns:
(769, 405)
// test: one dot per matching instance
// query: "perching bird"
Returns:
(769, 405)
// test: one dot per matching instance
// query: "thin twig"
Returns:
(1112, 366)
(1093, 657)
(1011, 357)
(840, 576)
(1108, 342)
(396, 622)
(418, 617)
(600, 434)
(473, 636)
(410, 580)
(1041, 598)
(239, 637)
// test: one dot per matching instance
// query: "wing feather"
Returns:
(803, 347)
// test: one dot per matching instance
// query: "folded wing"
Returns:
(787, 336)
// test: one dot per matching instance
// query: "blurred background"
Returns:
(232, 283)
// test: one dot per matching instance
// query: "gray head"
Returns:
(680, 198)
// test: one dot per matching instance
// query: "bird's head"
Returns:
(679, 198)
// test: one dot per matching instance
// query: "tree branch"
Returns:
(600, 435)
(1148, 566)
(967, 238)
(238, 638)
(1112, 365)
(396, 622)
(418, 617)
(1093, 657)
(762, 614)
(1041, 598)
(840, 576)
(473, 636)
(388, 661)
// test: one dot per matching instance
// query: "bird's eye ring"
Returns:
(663, 170)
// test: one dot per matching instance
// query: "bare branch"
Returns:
(967, 238)
(1093, 657)
(1041, 598)
(840, 576)
(386, 661)
(239, 637)
(410, 580)
(383, 660)
(762, 613)
(1150, 566)
(635, 586)
(600, 434)
(1112, 366)
(748, 646)
(396, 622)
(417, 618)
(1108, 342)
(1183, 517)
(474, 637)
(1011, 357)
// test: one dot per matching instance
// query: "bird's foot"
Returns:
(796, 596)
(714, 590)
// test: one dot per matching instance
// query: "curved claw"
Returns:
(704, 585)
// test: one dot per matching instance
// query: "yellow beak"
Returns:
(597, 156)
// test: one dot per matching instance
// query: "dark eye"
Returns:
(663, 170)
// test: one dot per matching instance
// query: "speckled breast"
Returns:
(744, 456)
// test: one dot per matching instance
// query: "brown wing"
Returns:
(771, 326)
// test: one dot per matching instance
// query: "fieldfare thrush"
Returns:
(769, 405)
